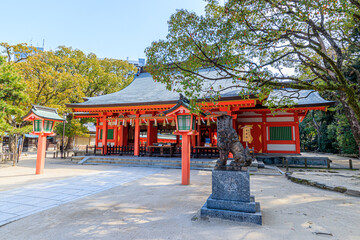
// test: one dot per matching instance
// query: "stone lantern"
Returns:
(43, 119)
(186, 127)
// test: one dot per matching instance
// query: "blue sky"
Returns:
(108, 28)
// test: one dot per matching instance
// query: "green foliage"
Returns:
(101, 76)
(255, 41)
(49, 81)
(66, 75)
(12, 98)
(267, 44)
(73, 127)
(333, 133)
(342, 138)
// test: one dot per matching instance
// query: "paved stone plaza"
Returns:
(137, 204)
(24, 201)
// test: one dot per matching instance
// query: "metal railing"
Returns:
(205, 152)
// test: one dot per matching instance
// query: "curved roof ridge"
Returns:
(144, 90)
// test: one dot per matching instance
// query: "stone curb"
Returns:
(339, 189)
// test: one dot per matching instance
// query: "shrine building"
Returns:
(133, 121)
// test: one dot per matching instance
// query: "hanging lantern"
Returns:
(132, 122)
(164, 123)
(173, 123)
(199, 121)
(155, 123)
(208, 122)
(125, 123)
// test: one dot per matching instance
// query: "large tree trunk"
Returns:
(20, 148)
(352, 118)
(318, 129)
(13, 149)
(70, 142)
(1, 144)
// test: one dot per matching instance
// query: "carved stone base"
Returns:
(230, 198)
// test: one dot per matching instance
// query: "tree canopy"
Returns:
(294, 44)
(12, 98)
(54, 78)
(66, 75)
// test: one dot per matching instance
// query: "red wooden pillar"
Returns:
(97, 133)
(297, 132)
(178, 140)
(193, 141)
(116, 135)
(151, 134)
(40, 160)
(234, 123)
(198, 137)
(264, 133)
(185, 159)
(125, 135)
(104, 135)
(137, 137)
(121, 136)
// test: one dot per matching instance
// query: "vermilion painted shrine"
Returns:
(133, 117)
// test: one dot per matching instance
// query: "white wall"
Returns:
(281, 147)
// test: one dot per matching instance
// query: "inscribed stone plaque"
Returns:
(231, 185)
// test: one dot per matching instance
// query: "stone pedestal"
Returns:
(230, 198)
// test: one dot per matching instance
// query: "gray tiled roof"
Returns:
(144, 90)
(298, 97)
(44, 112)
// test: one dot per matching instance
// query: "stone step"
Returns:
(131, 162)
(150, 165)
(154, 166)
(170, 160)
(210, 163)
(292, 160)
(261, 164)
(255, 218)
(205, 164)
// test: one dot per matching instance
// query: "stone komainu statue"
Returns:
(227, 141)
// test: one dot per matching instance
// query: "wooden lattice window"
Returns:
(184, 122)
(37, 125)
(48, 125)
(110, 135)
(280, 134)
